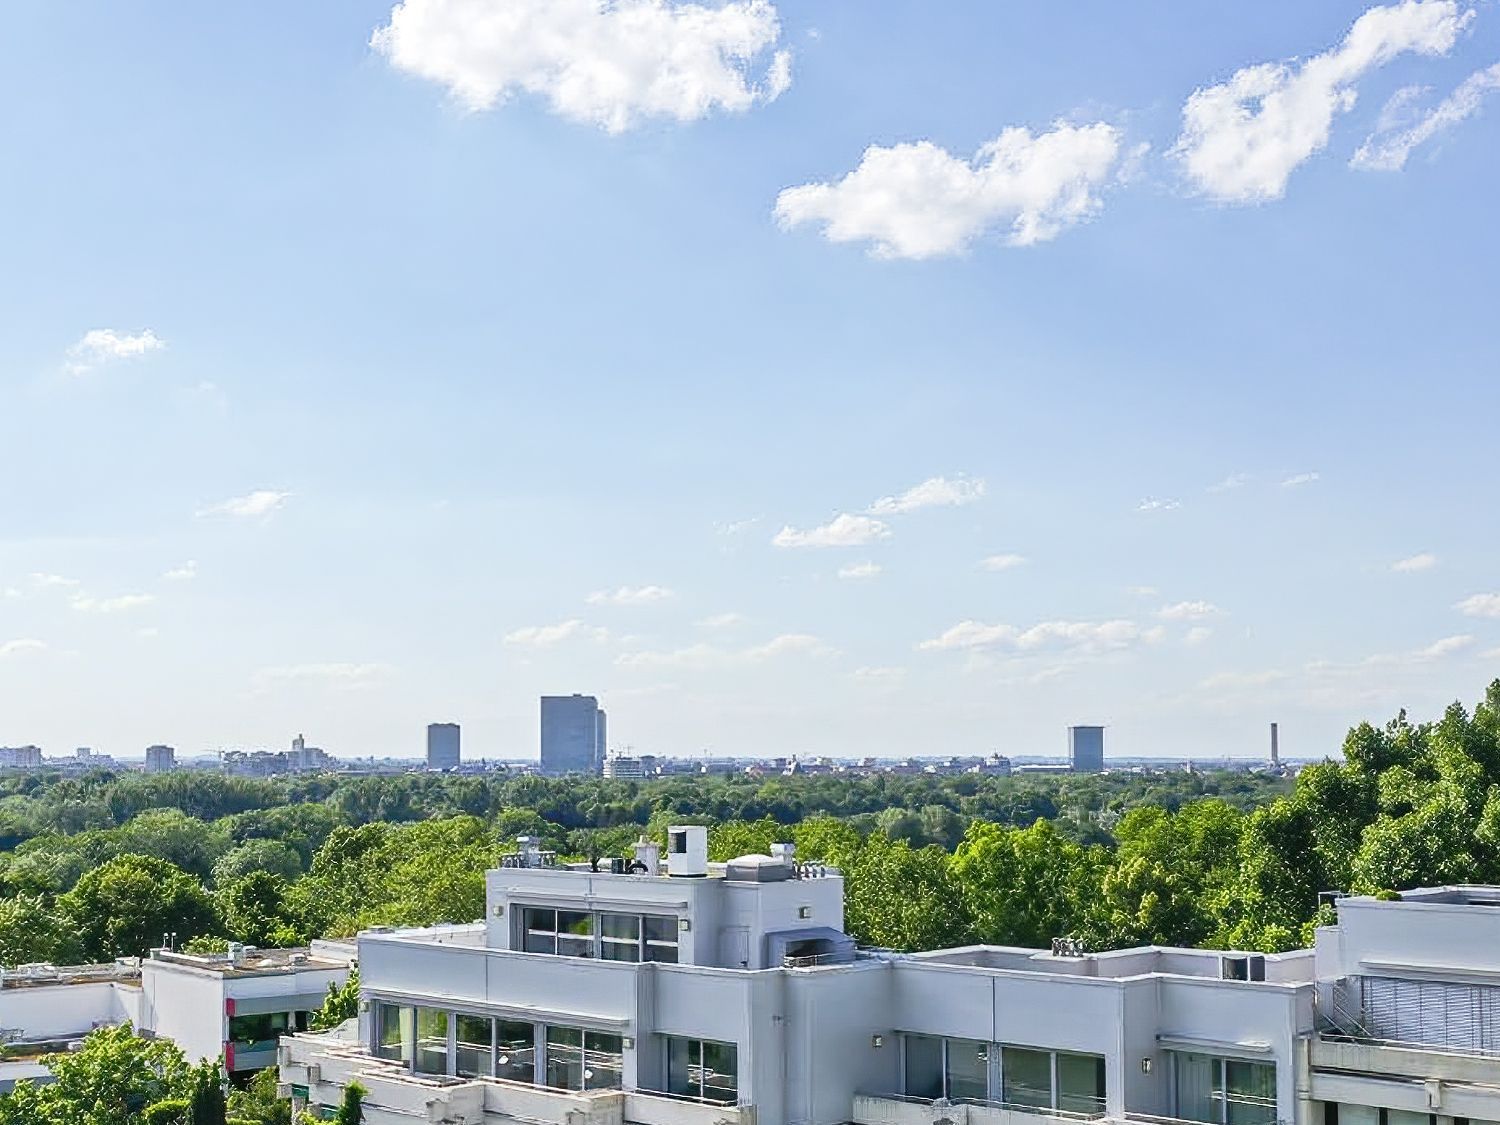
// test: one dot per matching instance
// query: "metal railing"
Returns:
(990, 1103)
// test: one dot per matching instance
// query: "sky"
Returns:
(817, 378)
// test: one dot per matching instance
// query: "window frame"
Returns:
(657, 943)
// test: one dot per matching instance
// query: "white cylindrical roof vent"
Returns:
(687, 851)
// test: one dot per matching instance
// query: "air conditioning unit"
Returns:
(314, 1074)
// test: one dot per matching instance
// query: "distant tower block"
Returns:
(1275, 744)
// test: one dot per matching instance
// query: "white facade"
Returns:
(571, 1003)
(235, 1006)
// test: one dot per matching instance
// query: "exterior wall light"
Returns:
(684, 924)
(499, 910)
(1146, 1066)
(877, 1041)
(804, 912)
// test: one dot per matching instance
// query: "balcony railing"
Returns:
(990, 1103)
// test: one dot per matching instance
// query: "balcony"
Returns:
(897, 1109)
(323, 1066)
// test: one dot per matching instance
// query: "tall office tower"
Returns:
(1086, 749)
(573, 731)
(160, 759)
(1275, 745)
(442, 746)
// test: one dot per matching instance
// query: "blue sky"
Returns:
(364, 368)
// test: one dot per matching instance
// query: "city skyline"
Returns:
(402, 385)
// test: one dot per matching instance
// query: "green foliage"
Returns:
(258, 1104)
(31, 930)
(113, 1080)
(123, 907)
(171, 1111)
(342, 1003)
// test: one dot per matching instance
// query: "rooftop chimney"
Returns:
(647, 856)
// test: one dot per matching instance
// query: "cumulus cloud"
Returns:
(1445, 647)
(1002, 562)
(545, 636)
(629, 595)
(54, 581)
(20, 645)
(1231, 482)
(860, 570)
(917, 200)
(105, 345)
(1387, 149)
(262, 502)
(1300, 479)
(610, 63)
(713, 656)
(1480, 605)
(842, 531)
(1188, 611)
(721, 621)
(184, 573)
(937, 492)
(124, 603)
(1241, 140)
(1152, 504)
(1090, 636)
(1415, 564)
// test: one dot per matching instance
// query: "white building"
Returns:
(234, 1005)
(160, 759)
(621, 767)
(691, 994)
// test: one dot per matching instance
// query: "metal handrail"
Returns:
(990, 1103)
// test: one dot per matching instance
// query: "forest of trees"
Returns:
(97, 867)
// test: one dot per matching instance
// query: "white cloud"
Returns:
(1480, 605)
(1416, 563)
(1387, 149)
(184, 573)
(124, 603)
(1002, 562)
(20, 645)
(879, 675)
(104, 345)
(721, 621)
(1300, 479)
(629, 595)
(860, 570)
(1088, 636)
(917, 200)
(1445, 647)
(1151, 504)
(54, 581)
(344, 676)
(1197, 635)
(712, 656)
(611, 63)
(736, 527)
(937, 492)
(1242, 140)
(842, 531)
(1231, 482)
(1188, 611)
(545, 636)
(1142, 591)
(10, 592)
(261, 502)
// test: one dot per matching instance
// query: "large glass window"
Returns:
(1026, 1077)
(924, 1067)
(1080, 1082)
(473, 1054)
(603, 1061)
(432, 1041)
(1224, 1091)
(258, 1033)
(395, 1036)
(967, 1070)
(704, 1070)
(584, 1060)
(661, 938)
(565, 1058)
(613, 937)
(515, 1051)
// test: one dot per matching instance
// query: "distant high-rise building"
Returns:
(1275, 744)
(1086, 749)
(622, 766)
(442, 746)
(160, 759)
(21, 757)
(573, 734)
(302, 758)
